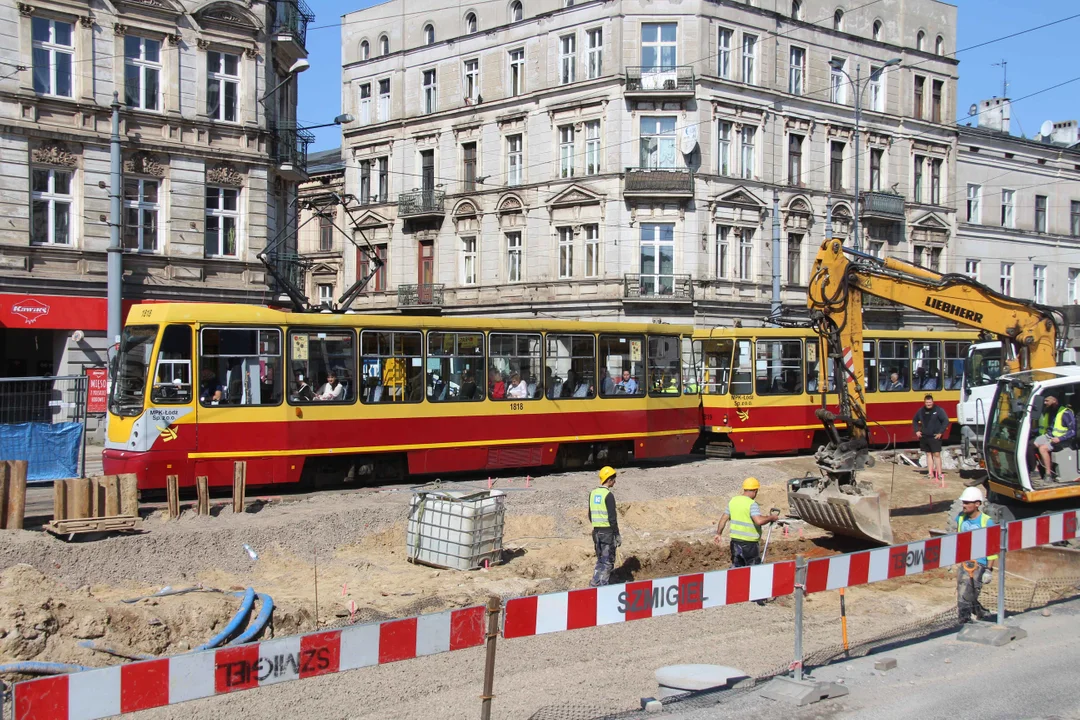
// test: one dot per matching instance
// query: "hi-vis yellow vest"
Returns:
(1060, 428)
(598, 507)
(983, 519)
(743, 526)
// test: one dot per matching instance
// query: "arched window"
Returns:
(920, 41)
(877, 29)
(515, 12)
(796, 10)
(470, 23)
(365, 50)
(429, 34)
(384, 45)
(939, 45)
(838, 20)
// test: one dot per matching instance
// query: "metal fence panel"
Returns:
(43, 421)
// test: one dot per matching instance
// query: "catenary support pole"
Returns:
(494, 609)
(800, 584)
(1001, 576)
(775, 310)
(115, 256)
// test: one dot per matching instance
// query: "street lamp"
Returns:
(297, 67)
(342, 119)
(858, 85)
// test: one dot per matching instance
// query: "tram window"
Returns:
(812, 379)
(893, 365)
(953, 370)
(869, 366)
(742, 382)
(571, 366)
(240, 366)
(663, 365)
(925, 365)
(622, 366)
(691, 366)
(778, 367)
(455, 366)
(716, 357)
(322, 366)
(392, 366)
(172, 383)
(514, 368)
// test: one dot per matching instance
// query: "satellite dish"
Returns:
(973, 110)
(1047, 129)
(689, 139)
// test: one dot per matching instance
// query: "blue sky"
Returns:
(1035, 61)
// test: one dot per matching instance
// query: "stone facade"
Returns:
(618, 158)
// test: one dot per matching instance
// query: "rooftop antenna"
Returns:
(1004, 65)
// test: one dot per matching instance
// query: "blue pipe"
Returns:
(32, 667)
(238, 620)
(266, 610)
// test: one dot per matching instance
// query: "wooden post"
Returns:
(5, 491)
(110, 485)
(60, 500)
(202, 489)
(16, 505)
(239, 486)
(172, 493)
(129, 494)
(494, 608)
(78, 498)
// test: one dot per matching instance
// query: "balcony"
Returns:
(288, 150)
(420, 204)
(659, 82)
(658, 288)
(883, 206)
(288, 22)
(424, 295)
(659, 183)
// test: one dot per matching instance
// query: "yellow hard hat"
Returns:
(751, 484)
(606, 473)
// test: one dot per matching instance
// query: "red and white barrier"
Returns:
(1043, 530)
(166, 681)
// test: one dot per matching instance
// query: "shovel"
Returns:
(768, 536)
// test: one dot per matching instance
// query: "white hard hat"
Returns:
(971, 494)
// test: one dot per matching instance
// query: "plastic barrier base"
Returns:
(801, 692)
(987, 634)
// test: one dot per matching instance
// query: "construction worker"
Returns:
(746, 521)
(1057, 430)
(605, 527)
(972, 575)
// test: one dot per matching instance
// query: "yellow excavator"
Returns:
(1030, 335)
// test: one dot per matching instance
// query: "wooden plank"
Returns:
(78, 498)
(104, 524)
(172, 491)
(129, 494)
(60, 506)
(110, 484)
(239, 486)
(16, 504)
(202, 489)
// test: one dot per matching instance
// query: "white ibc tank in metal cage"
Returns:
(456, 530)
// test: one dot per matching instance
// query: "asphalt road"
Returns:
(943, 678)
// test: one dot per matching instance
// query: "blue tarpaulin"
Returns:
(52, 449)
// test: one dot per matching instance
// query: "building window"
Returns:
(431, 92)
(516, 13)
(517, 72)
(935, 259)
(659, 46)
(657, 142)
(876, 156)
(749, 59)
(384, 100)
(514, 160)
(222, 85)
(795, 143)
(326, 233)
(1038, 288)
(723, 150)
(838, 20)
(468, 166)
(592, 147)
(796, 71)
(142, 72)
(939, 46)
(592, 250)
(384, 178)
(1040, 213)
(1074, 218)
(657, 259)
(974, 201)
(472, 81)
(971, 269)
(877, 30)
(365, 182)
(1074, 286)
(723, 53)
(876, 249)
(514, 256)
(377, 283)
(470, 24)
(836, 166)
(365, 50)
(937, 87)
(566, 252)
(50, 217)
(1006, 278)
(52, 49)
(935, 181)
(748, 142)
(837, 86)
(567, 59)
(920, 162)
(468, 261)
(920, 87)
(429, 34)
(384, 45)
(140, 215)
(796, 10)
(594, 58)
(222, 222)
(794, 258)
(919, 255)
(746, 253)
(326, 293)
(365, 104)
(920, 41)
(723, 239)
(566, 151)
(877, 89)
(1008, 208)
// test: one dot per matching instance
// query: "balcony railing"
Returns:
(421, 202)
(289, 146)
(668, 80)
(659, 182)
(658, 287)
(291, 18)
(420, 295)
(883, 205)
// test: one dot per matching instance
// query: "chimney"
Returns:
(1065, 133)
(995, 114)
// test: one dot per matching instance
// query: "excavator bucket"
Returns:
(844, 511)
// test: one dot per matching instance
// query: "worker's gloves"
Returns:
(987, 576)
(618, 541)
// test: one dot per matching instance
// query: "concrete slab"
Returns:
(679, 679)
(801, 692)
(988, 634)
